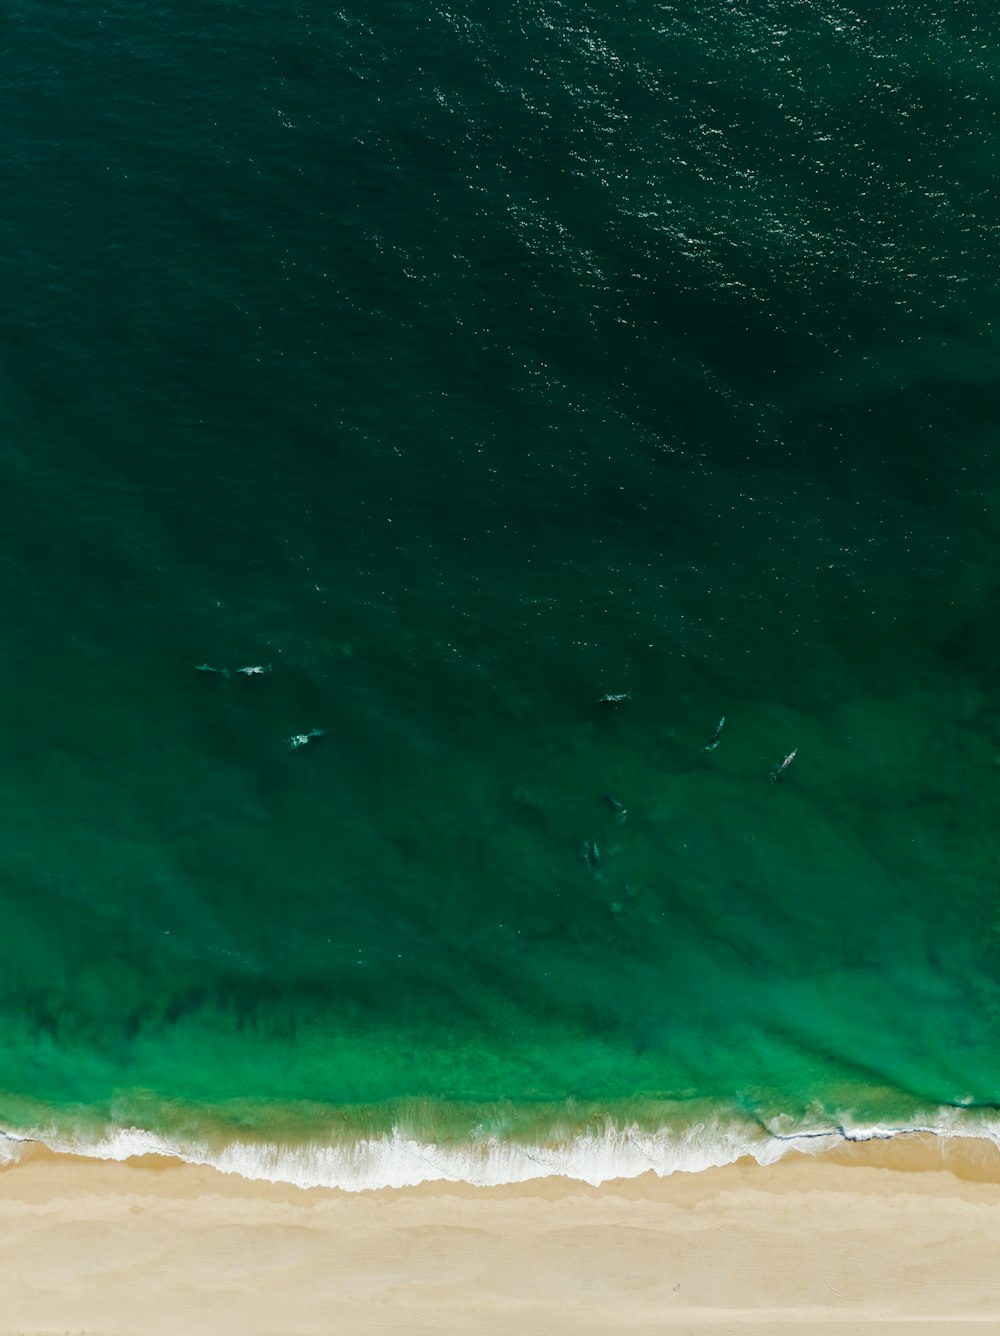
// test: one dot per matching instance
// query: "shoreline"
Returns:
(870, 1237)
(399, 1159)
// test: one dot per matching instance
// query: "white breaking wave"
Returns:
(396, 1160)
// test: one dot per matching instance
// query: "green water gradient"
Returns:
(466, 365)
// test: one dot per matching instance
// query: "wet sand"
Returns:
(871, 1238)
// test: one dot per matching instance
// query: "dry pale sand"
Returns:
(882, 1238)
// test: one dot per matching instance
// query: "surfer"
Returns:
(300, 739)
(711, 746)
(619, 809)
(254, 671)
(778, 771)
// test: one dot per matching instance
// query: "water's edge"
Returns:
(396, 1160)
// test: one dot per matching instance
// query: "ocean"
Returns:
(523, 389)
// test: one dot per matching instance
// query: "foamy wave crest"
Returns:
(13, 1149)
(396, 1160)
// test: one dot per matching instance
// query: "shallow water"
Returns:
(465, 368)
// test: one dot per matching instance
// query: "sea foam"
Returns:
(397, 1160)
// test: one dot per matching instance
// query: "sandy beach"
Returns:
(872, 1238)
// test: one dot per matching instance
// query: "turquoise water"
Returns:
(463, 366)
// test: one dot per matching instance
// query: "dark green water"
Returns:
(465, 364)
